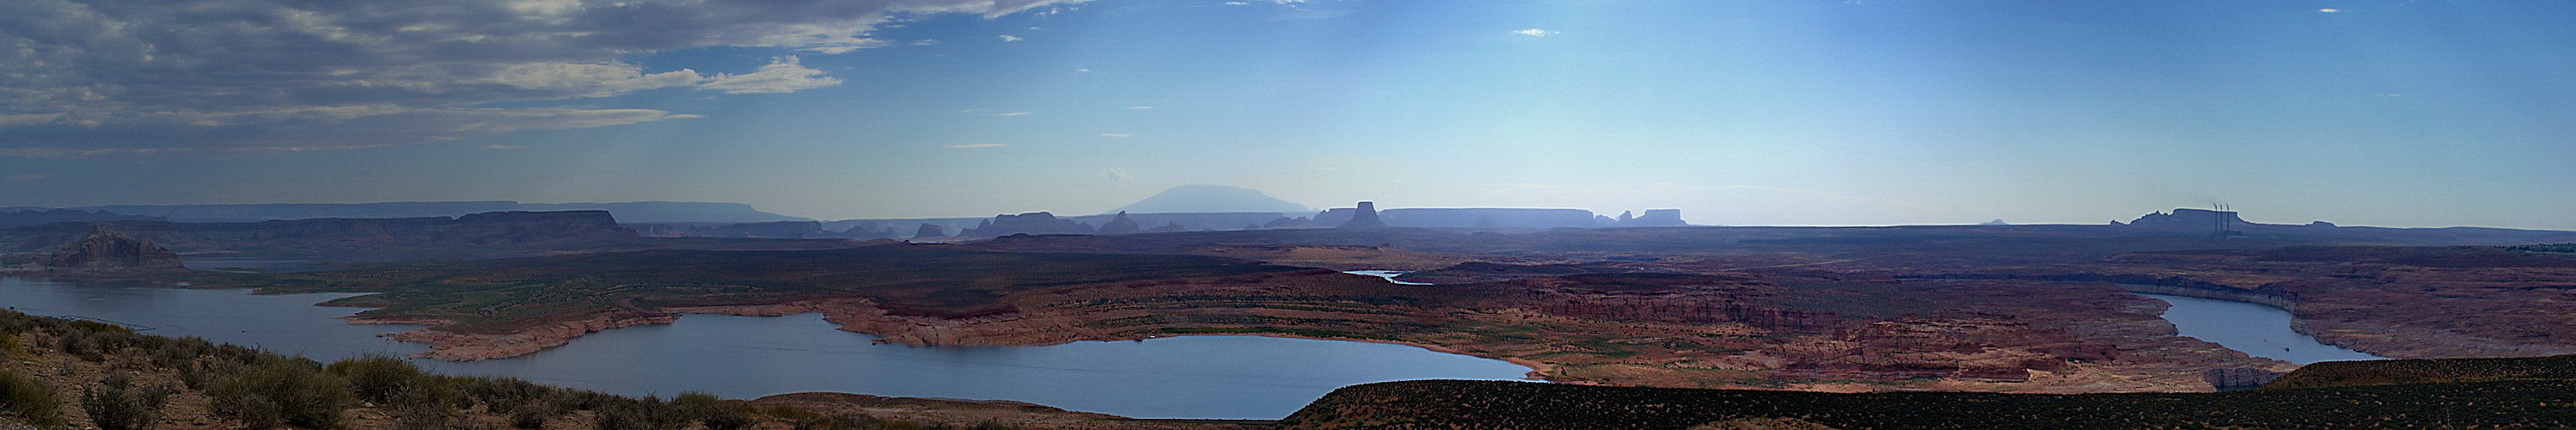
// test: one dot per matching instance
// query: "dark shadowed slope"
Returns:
(2517, 403)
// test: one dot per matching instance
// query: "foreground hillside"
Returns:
(60, 374)
(2452, 393)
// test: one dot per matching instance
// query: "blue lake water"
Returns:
(1243, 377)
(2256, 330)
(1388, 275)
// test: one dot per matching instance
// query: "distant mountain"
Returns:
(47, 216)
(633, 212)
(1212, 198)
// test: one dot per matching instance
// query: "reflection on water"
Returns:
(1388, 275)
(2256, 330)
(745, 357)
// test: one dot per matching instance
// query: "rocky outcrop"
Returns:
(1120, 225)
(482, 228)
(1364, 217)
(105, 250)
(1292, 222)
(867, 230)
(929, 230)
(641, 212)
(1027, 223)
(1653, 218)
(1490, 218)
(1169, 227)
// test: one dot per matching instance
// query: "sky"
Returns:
(1864, 112)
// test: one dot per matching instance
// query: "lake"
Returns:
(2257, 330)
(1234, 377)
(1388, 275)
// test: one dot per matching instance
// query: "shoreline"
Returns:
(467, 347)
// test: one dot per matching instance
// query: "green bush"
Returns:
(28, 399)
(112, 406)
(648, 414)
(8, 344)
(714, 412)
(389, 381)
(508, 396)
(80, 343)
(281, 391)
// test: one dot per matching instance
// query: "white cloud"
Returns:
(977, 145)
(365, 126)
(1116, 175)
(1116, 135)
(110, 76)
(591, 80)
(784, 75)
(1534, 32)
(1082, 70)
(7, 120)
(2329, 10)
(1010, 38)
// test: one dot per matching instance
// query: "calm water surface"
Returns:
(2256, 330)
(745, 357)
(1388, 275)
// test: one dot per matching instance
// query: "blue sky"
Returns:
(1787, 113)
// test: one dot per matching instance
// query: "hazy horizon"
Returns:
(2397, 114)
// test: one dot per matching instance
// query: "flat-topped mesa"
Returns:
(480, 228)
(1027, 223)
(105, 250)
(2205, 221)
(1364, 217)
(40, 217)
(1653, 218)
(528, 226)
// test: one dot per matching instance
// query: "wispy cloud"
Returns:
(1116, 174)
(1082, 70)
(503, 147)
(1139, 107)
(1535, 32)
(1115, 135)
(1010, 38)
(991, 112)
(977, 145)
(2329, 10)
(783, 75)
(396, 72)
